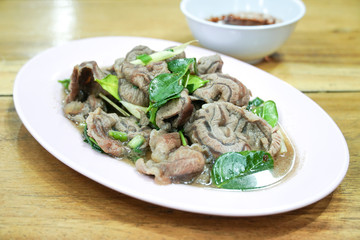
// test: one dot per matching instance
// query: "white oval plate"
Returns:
(323, 155)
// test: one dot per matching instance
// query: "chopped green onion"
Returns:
(122, 111)
(152, 112)
(65, 83)
(162, 55)
(182, 137)
(136, 142)
(144, 58)
(122, 136)
(134, 109)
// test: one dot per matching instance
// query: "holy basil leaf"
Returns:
(167, 86)
(270, 113)
(230, 168)
(163, 87)
(181, 65)
(266, 110)
(161, 103)
(195, 82)
(111, 84)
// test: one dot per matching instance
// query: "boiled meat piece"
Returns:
(175, 113)
(99, 123)
(139, 75)
(136, 51)
(132, 94)
(78, 111)
(162, 144)
(222, 87)
(182, 166)
(224, 127)
(82, 83)
(210, 64)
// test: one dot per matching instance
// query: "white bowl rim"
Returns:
(237, 27)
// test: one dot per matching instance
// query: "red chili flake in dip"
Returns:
(245, 19)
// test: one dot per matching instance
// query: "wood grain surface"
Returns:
(41, 198)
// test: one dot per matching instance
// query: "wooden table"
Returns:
(41, 198)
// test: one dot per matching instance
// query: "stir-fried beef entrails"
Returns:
(175, 113)
(133, 94)
(173, 116)
(171, 162)
(78, 111)
(140, 76)
(210, 64)
(99, 124)
(222, 87)
(224, 127)
(82, 81)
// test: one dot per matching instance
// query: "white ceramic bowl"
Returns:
(248, 43)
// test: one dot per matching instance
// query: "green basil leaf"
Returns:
(163, 87)
(111, 84)
(230, 168)
(181, 65)
(270, 113)
(167, 86)
(266, 110)
(152, 115)
(195, 82)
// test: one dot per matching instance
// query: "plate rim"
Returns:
(59, 156)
